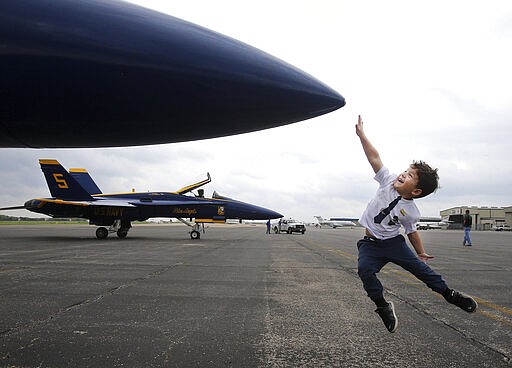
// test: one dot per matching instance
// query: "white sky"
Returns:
(432, 81)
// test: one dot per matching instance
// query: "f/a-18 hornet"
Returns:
(110, 66)
(76, 195)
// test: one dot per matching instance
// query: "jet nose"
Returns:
(260, 213)
(246, 211)
(150, 62)
(272, 215)
(264, 214)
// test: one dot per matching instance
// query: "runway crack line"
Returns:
(31, 325)
(476, 341)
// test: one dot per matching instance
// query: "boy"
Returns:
(392, 207)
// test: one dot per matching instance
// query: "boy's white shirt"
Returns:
(405, 210)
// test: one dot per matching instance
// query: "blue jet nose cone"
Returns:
(271, 215)
(125, 75)
(246, 211)
(260, 213)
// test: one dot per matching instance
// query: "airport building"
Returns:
(484, 218)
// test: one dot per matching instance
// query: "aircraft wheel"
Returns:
(289, 231)
(121, 233)
(101, 233)
(194, 234)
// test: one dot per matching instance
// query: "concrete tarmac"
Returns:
(240, 298)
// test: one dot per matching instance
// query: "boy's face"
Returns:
(406, 184)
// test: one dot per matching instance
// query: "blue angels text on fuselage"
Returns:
(75, 194)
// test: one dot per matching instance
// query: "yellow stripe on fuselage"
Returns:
(151, 194)
(210, 221)
(60, 201)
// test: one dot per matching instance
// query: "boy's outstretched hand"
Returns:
(371, 153)
(359, 127)
(425, 257)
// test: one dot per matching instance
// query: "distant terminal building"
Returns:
(484, 218)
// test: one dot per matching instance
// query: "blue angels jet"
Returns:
(122, 75)
(75, 194)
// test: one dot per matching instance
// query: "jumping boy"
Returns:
(392, 207)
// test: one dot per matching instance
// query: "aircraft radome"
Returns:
(75, 194)
(106, 73)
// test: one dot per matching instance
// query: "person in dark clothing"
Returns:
(467, 222)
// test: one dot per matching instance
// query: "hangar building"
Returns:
(484, 218)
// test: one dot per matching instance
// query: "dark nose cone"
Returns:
(246, 211)
(268, 215)
(106, 73)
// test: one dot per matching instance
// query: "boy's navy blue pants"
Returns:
(375, 254)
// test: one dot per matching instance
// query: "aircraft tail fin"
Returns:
(319, 218)
(85, 180)
(61, 184)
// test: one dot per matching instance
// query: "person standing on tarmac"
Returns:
(467, 222)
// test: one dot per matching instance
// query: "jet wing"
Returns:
(110, 203)
(12, 208)
(174, 203)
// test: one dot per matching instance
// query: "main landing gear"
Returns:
(119, 227)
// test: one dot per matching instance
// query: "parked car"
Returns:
(503, 227)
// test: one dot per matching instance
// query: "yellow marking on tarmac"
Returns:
(493, 306)
(387, 270)
(480, 301)
(413, 281)
(333, 250)
(493, 316)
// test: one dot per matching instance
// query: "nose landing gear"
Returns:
(194, 233)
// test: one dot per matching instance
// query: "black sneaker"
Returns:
(462, 301)
(388, 316)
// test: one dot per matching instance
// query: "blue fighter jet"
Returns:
(75, 194)
(122, 75)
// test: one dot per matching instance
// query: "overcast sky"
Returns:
(432, 81)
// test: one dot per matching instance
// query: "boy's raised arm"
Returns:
(371, 153)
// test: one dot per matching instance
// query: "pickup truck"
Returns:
(289, 226)
(503, 227)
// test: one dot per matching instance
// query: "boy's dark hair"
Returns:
(428, 180)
